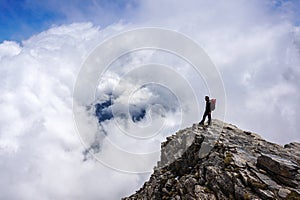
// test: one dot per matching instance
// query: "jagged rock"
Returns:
(201, 193)
(283, 192)
(223, 162)
(294, 195)
(267, 180)
(294, 148)
(277, 165)
(189, 184)
(282, 169)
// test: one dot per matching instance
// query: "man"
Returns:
(207, 111)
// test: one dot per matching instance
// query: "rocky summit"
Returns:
(223, 162)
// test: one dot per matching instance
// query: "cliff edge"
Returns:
(223, 162)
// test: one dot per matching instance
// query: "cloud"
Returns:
(41, 155)
(254, 44)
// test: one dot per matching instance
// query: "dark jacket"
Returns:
(207, 107)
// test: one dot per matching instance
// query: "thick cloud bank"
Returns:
(254, 44)
(41, 154)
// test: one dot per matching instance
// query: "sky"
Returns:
(44, 46)
(22, 18)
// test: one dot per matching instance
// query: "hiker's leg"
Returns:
(209, 118)
(203, 118)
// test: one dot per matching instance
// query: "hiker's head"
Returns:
(206, 98)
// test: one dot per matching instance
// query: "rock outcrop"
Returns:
(223, 162)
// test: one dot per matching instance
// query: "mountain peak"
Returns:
(222, 161)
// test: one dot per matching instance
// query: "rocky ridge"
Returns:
(223, 162)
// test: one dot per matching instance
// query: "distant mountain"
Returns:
(223, 162)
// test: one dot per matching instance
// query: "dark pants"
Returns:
(204, 116)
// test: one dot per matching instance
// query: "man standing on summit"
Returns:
(207, 112)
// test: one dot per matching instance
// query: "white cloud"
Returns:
(255, 46)
(41, 154)
(9, 48)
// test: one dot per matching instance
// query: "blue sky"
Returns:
(19, 19)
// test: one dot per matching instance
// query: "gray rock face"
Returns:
(223, 162)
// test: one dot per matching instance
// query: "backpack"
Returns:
(213, 104)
